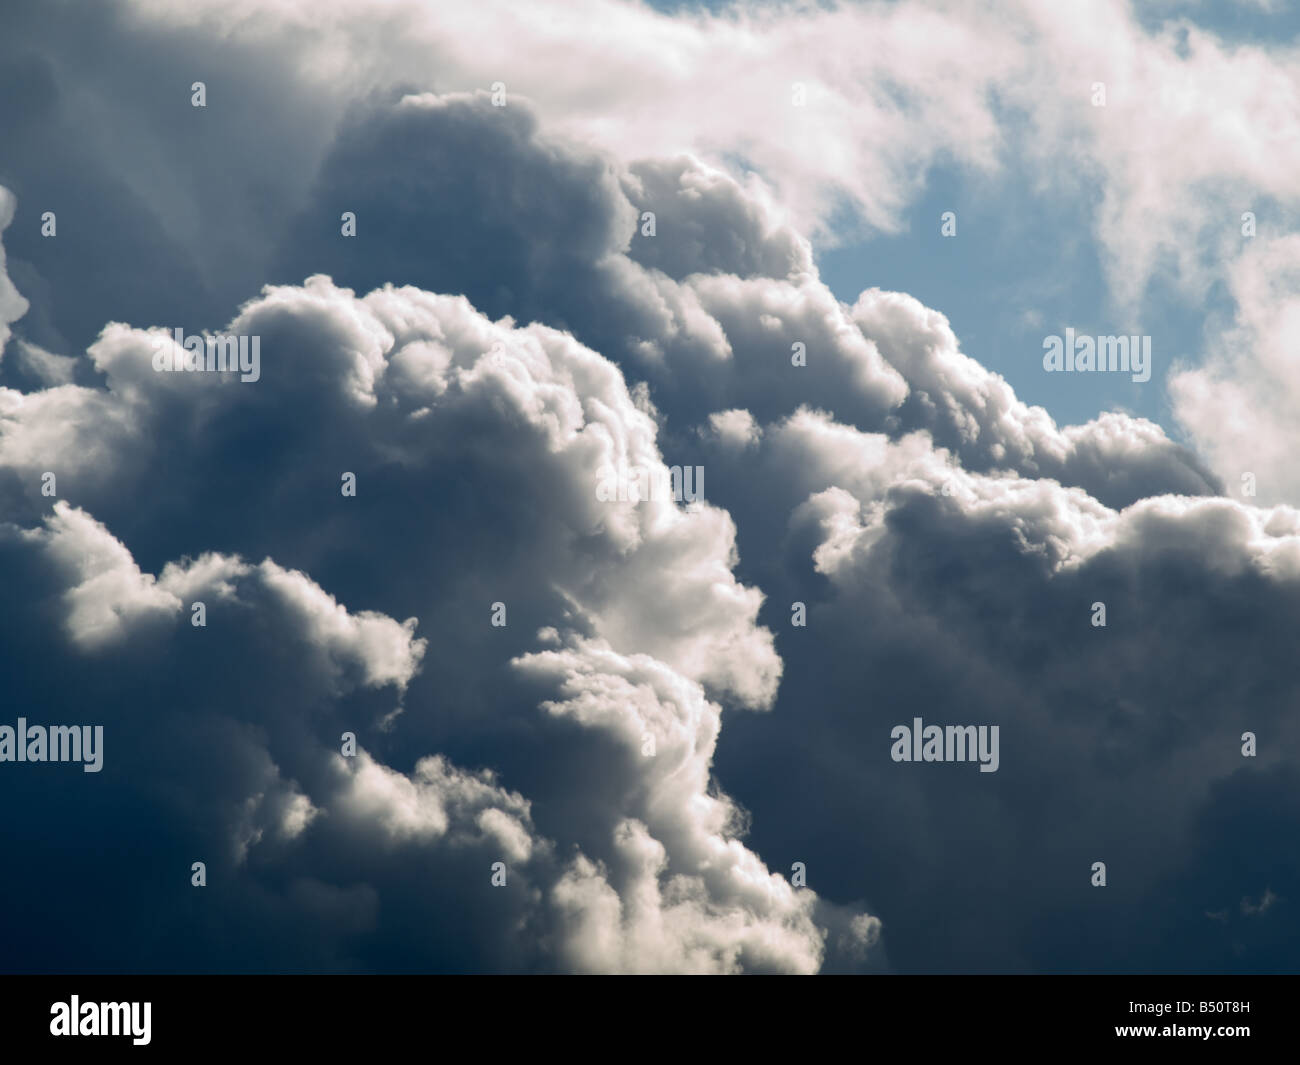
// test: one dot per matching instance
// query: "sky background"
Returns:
(672, 773)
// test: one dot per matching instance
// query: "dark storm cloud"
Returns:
(477, 447)
(166, 213)
(461, 434)
(1120, 744)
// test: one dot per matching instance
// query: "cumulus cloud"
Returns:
(110, 594)
(421, 391)
(1241, 404)
(703, 338)
(965, 597)
(676, 890)
(940, 82)
(499, 337)
(735, 429)
(12, 304)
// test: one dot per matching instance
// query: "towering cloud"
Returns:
(367, 638)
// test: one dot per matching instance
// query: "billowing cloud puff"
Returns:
(430, 406)
(710, 226)
(732, 317)
(974, 598)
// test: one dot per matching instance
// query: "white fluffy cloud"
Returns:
(890, 89)
(418, 383)
(1242, 404)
